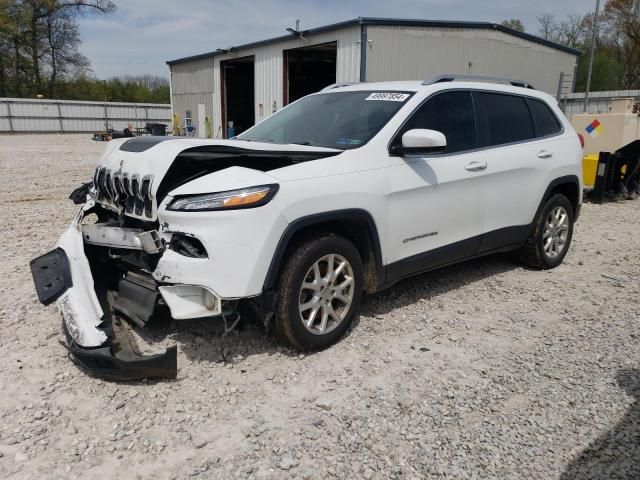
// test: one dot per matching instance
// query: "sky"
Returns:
(143, 34)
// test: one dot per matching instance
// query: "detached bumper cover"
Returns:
(101, 344)
(121, 359)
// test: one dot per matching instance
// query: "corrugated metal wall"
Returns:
(192, 83)
(39, 116)
(403, 53)
(268, 74)
(599, 102)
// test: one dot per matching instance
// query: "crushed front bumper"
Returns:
(100, 343)
(121, 359)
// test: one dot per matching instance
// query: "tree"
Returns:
(513, 24)
(39, 42)
(621, 19)
(548, 26)
(572, 31)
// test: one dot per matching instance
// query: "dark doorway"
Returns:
(309, 69)
(237, 95)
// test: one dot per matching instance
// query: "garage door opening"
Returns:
(308, 70)
(238, 112)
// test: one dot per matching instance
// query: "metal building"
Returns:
(246, 83)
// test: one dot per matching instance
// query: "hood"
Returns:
(134, 175)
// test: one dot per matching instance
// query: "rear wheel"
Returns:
(319, 292)
(551, 236)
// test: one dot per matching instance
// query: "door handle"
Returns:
(545, 154)
(476, 166)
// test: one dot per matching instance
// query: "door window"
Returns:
(450, 113)
(545, 122)
(507, 118)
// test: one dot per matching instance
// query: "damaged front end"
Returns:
(99, 339)
(129, 258)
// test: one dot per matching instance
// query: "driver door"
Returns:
(436, 201)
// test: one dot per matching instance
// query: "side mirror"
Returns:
(421, 141)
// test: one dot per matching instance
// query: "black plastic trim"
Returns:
(142, 144)
(315, 219)
(126, 364)
(51, 275)
(501, 240)
(567, 179)
(400, 150)
(504, 239)
(432, 259)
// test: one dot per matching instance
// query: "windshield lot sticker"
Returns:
(388, 96)
(348, 141)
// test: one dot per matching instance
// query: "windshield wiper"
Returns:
(259, 140)
(300, 143)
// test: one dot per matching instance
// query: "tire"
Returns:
(294, 324)
(540, 251)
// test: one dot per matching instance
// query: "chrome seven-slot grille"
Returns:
(121, 190)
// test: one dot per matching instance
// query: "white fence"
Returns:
(21, 115)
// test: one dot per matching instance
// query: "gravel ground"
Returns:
(481, 370)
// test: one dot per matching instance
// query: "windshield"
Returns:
(340, 120)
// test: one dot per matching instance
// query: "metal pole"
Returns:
(9, 117)
(560, 85)
(60, 118)
(593, 51)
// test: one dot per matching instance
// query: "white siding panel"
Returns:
(414, 53)
(192, 77)
(189, 101)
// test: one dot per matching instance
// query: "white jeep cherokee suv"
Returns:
(345, 191)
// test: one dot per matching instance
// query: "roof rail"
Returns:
(477, 78)
(338, 85)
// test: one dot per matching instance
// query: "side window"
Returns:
(507, 118)
(450, 113)
(544, 120)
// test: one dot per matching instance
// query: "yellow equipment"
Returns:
(589, 169)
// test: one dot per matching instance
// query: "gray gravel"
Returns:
(481, 370)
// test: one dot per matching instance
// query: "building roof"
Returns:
(399, 22)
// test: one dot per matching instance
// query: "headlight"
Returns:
(232, 199)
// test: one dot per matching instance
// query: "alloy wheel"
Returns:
(326, 294)
(556, 232)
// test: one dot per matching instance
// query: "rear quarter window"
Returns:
(506, 118)
(544, 120)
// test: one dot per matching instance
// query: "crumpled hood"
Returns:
(153, 157)
(157, 159)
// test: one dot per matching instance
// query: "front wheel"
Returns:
(551, 236)
(319, 292)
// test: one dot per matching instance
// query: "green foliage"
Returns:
(616, 63)
(606, 75)
(514, 24)
(127, 89)
(39, 44)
